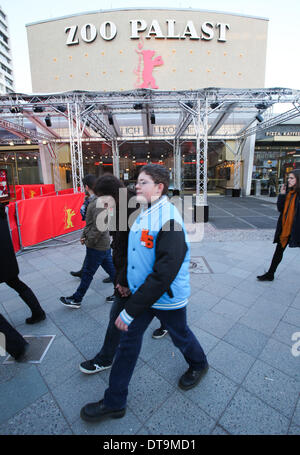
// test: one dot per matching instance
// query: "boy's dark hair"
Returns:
(158, 173)
(89, 180)
(108, 185)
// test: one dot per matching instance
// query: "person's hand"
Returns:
(82, 240)
(121, 325)
(283, 189)
(123, 290)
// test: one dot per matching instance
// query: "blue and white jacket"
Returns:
(158, 261)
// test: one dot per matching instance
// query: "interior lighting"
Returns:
(28, 141)
(11, 143)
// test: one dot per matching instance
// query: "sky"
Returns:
(283, 62)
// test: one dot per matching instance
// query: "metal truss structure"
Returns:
(204, 115)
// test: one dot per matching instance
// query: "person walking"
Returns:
(88, 183)
(158, 277)
(9, 272)
(288, 225)
(98, 252)
(109, 185)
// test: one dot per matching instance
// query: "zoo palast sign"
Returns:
(169, 30)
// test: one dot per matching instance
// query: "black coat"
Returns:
(294, 240)
(119, 243)
(8, 263)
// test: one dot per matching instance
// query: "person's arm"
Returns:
(280, 202)
(170, 252)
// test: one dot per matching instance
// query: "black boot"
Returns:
(269, 276)
(37, 312)
(76, 273)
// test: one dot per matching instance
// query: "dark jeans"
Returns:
(112, 337)
(277, 258)
(93, 260)
(130, 345)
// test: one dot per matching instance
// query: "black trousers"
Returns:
(10, 339)
(277, 258)
(18, 285)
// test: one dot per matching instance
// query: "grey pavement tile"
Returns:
(294, 430)
(14, 303)
(296, 301)
(178, 415)
(148, 390)
(242, 297)
(248, 415)
(45, 327)
(206, 299)
(214, 323)
(284, 332)
(230, 309)
(61, 350)
(76, 328)
(246, 339)
(90, 343)
(77, 391)
(127, 425)
(219, 431)
(43, 417)
(238, 272)
(169, 363)
(151, 347)
(18, 393)
(292, 316)
(253, 287)
(9, 370)
(264, 316)
(285, 297)
(230, 361)
(273, 387)
(207, 341)
(18, 317)
(280, 356)
(213, 393)
(56, 373)
(296, 417)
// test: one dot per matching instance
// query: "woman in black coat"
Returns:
(288, 225)
(9, 271)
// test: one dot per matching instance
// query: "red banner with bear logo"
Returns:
(44, 218)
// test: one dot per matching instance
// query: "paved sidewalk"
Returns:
(244, 326)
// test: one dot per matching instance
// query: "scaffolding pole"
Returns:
(75, 146)
(116, 159)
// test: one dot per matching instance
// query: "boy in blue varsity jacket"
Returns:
(158, 277)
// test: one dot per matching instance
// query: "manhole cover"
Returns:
(198, 264)
(36, 351)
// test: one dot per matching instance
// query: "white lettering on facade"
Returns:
(108, 31)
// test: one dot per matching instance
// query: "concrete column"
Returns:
(46, 161)
(248, 158)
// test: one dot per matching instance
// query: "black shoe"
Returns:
(191, 378)
(36, 318)
(159, 333)
(266, 277)
(78, 274)
(91, 367)
(21, 355)
(93, 412)
(70, 302)
(110, 298)
(107, 280)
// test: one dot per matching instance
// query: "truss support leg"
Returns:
(116, 159)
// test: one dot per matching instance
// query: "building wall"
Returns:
(174, 50)
(6, 69)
